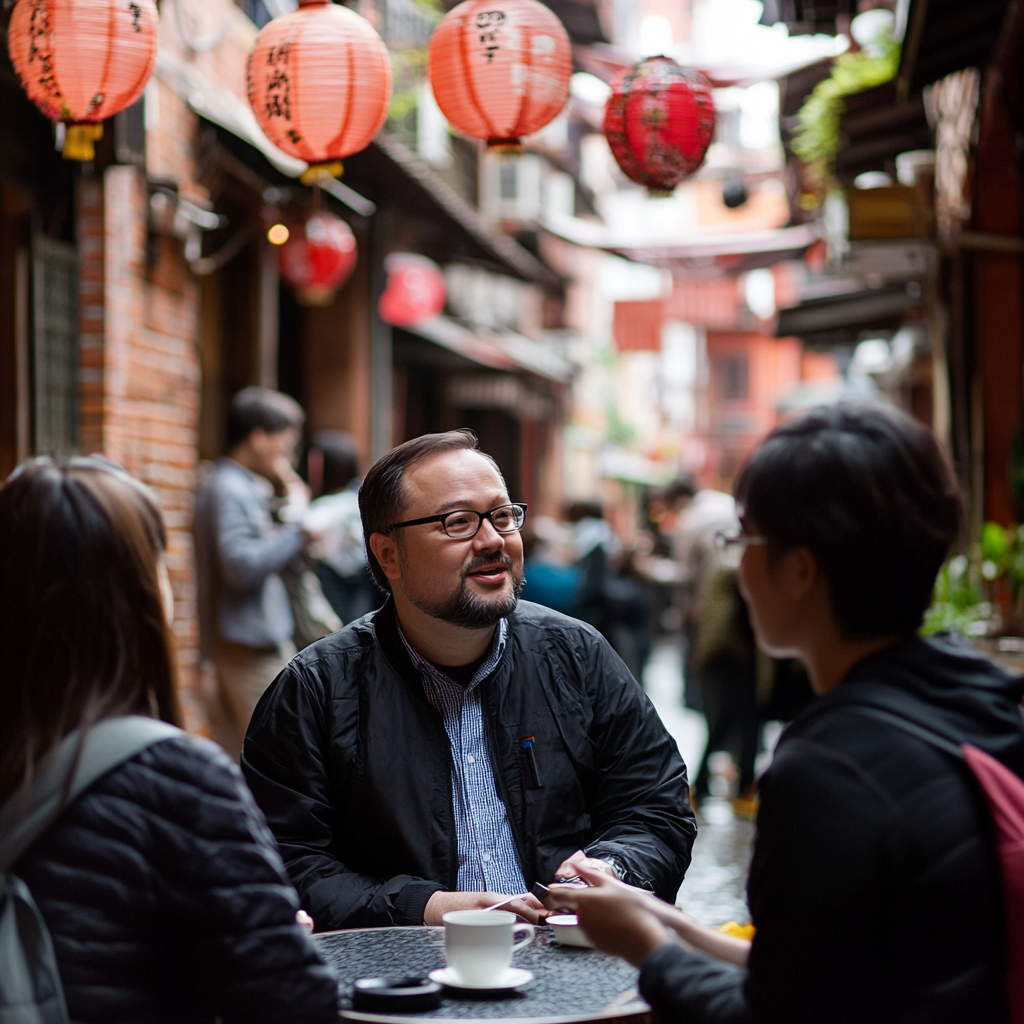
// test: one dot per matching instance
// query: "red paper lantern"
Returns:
(415, 290)
(320, 84)
(500, 70)
(659, 122)
(81, 61)
(318, 258)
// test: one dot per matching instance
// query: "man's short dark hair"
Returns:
(681, 487)
(382, 497)
(869, 492)
(258, 408)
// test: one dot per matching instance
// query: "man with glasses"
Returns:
(458, 746)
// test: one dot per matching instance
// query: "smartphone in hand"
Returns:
(551, 899)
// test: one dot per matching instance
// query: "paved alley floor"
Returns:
(714, 890)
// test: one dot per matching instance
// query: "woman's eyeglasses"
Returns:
(465, 523)
(726, 539)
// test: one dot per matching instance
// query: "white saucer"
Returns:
(512, 978)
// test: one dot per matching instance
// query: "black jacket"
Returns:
(352, 767)
(874, 885)
(167, 901)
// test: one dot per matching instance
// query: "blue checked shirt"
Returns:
(488, 860)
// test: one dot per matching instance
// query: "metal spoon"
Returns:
(506, 901)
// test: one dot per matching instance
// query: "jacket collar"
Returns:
(385, 628)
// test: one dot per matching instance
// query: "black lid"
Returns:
(410, 993)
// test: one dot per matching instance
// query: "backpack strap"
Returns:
(106, 745)
(932, 738)
(30, 984)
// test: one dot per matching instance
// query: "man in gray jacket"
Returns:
(245, 621)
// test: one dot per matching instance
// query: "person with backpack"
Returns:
(138, 879)
(887, 879)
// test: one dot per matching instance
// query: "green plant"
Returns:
(964, 590)
(816, 139)
(958, 603)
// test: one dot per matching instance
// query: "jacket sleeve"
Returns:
(246, 557)
(640, 804)
(285, 763)
(230, 909)
(684, 985)
(815, 888)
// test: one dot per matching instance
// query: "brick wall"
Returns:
(140, 373)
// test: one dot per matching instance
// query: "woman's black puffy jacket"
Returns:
(167, 900)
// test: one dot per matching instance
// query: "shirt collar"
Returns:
(486, 667)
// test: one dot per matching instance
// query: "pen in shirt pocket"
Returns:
(530, 756)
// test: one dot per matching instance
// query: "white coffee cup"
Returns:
(479, 943)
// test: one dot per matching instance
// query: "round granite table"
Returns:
(570, 985)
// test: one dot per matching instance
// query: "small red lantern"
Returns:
(320, 84)
(318, 258)
(659, 122)
(415, 290)
(82, 61)
(500, 71)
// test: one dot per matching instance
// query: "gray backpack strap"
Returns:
(107, 745)
(30, 987)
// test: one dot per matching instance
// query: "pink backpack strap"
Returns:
(1004, 793)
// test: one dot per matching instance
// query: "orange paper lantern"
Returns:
(81, 61)
(500, 71)
(320, 84)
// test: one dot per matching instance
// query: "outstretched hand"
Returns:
(631, 922)
(616, 917)
(529, 908)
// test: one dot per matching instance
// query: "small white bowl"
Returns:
(568, 931)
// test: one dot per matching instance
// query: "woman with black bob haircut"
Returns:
(874, 886)
(160, 885)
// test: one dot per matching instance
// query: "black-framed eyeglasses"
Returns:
(464, 523)
(725, 539)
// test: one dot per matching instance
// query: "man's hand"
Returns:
(574, 865)
(527, 907)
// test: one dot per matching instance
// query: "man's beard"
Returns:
(469, 610)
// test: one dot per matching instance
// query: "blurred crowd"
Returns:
(674, 578)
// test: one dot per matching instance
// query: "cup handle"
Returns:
(528, 929)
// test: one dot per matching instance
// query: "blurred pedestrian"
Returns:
(610, 597)
(340, 552)
(724, 658)
(551, 579)
(160, 887)
(874, 888)
(245, 618)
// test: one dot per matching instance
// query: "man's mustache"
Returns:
(486, 562)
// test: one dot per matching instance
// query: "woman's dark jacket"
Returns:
(167, 901)
(352, 767)
(874, 884)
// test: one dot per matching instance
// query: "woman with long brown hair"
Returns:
(160, 885)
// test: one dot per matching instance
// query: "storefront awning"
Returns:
(839, 318)
(507, 351)
(944, 36)
(731, 252)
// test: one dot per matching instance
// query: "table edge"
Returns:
(388, 1018)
